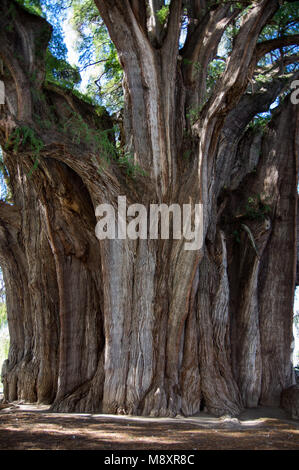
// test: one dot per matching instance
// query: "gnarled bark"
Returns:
(144, 326)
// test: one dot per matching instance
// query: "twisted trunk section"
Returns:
(145, 326)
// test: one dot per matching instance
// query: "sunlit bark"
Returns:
(144, 326)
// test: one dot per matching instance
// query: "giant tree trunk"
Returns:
(144, 326)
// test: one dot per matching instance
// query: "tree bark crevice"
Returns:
(146, 327)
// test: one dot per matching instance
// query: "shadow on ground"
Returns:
(34, 427)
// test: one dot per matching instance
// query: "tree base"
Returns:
(290, 401)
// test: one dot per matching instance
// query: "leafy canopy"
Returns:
(97, 55)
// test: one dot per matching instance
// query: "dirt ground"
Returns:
(31, 427)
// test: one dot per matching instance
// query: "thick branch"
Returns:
(263, 48)
(144, 85)
(155, 28)
(228, 154)
(139, 10)
(202, 43)
(196, 10)
(278, 67)
(23, 42)
(252, 104)
(173, 28)
(240, 65)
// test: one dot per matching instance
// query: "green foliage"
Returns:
(60, 72)
(102, 143)
(256, 209)
(283, 23)
(262, 78)
(260, 122)
(233, 29)
(193, 114)
(99, 141)
(215, 70)
(126, 160)
(23, 137)
(98, 54)
(162, 14)
(33, 6)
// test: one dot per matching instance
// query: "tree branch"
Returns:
(93, 63)
(202, 43)
(155, 28)
(173, 26)
(263, 48)
(196, 10)
(252, 104)
(139, 10)
(23, 54)
(233, 129)
(240, 66)
(278, 65)
(142, 82)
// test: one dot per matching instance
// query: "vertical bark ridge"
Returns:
(30, 373)
(219, 389)
(278, 273)
(248, 350)
(145, 327)
(70, 224)
(190, 380)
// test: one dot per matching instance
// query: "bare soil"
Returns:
(33, 427)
